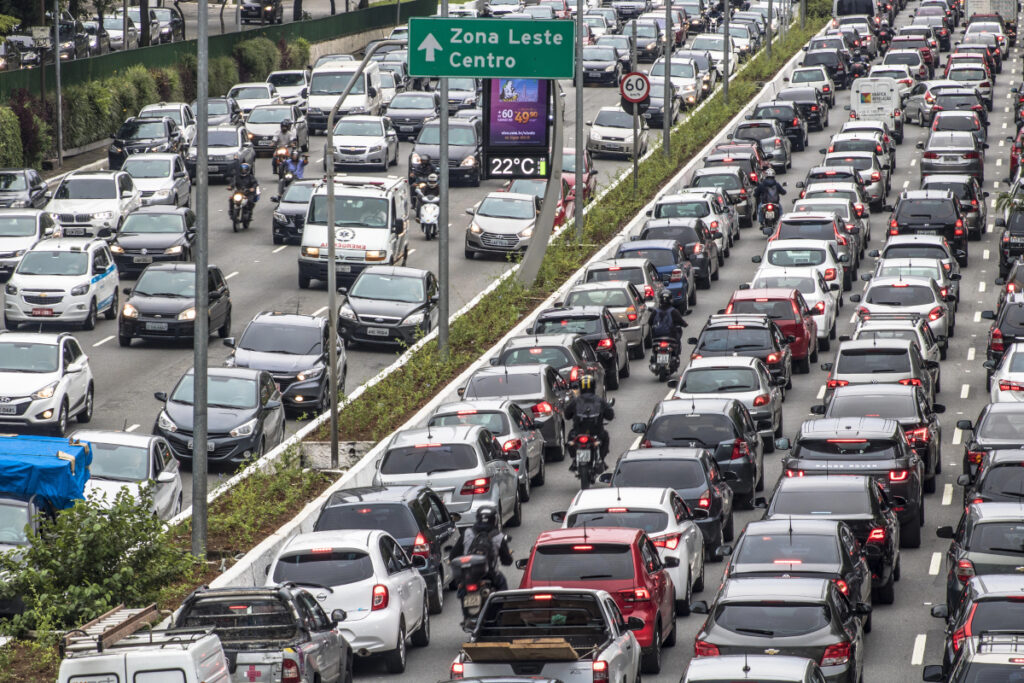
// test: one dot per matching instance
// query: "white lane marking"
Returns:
(1004, 126)
(917, 657)
(821, 392)
(1002, 143)
(906, 184)
(993, 203)
(411, 252)
(231, 275)
(965, 390)
(977, 316)
(103, 341)
(970, 353)
(958, 435)
(981, 286)
(1006, 109)
(319, 311)
(280, 248)
(999, 162)
(913, 162)
(131, 428)
(990, 228)
(947, 494)
(985, 254)
(933, 566)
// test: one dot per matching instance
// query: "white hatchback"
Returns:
(1007, 382)
(823, 298)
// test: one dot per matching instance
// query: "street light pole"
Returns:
(666, 108)
(578, 141)
(770, 15)
(443, 220)
(726, 11)
(56, 72)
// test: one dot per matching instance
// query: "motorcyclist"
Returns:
(486, 524)
(285, 138)
(588, 411)
(430, 188)
(768, 191)
(245, 181)
(667, 320)
(295, 163)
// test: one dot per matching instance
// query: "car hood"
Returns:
(411, 113)
(289, 90)
(165, 306)
(609, 132)
(219, 420)
(150, 241)
(379, 307)
(249, 104)
(263, 128)
(273, 362)
(455, 152)
(17, 243)
(218, 119)
(13, 194)
(81, 205)
(48, 282)
(109, 488)
(153, 184)
(24, 383)
(598, 63)
(505, 226)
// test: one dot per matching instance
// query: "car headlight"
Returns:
(278, 216)
(468, 161)
(160, 148)
(161, 194)
(165, 423)
(115, 149)
(376, 255)
(375, 148)
(79, 290)
(475, 229)
(20, 204)
(413, 319)
(651, 46)
(312, 373)
(346, 312)
(528, 232)
(47, 391)
(187, 314)
(11, 290)
(609, 69)
(246, 428)
(102, 215)
(129, 311)
(311, 252)
(415, 159)
(170, 251)
(117, 248)
(470, 100)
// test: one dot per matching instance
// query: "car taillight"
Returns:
(819, 308)
(1007, 385)
(794, 473)
(836, 654)
(420, 546)
(677, 274)
(877, 535)
(646, 443)
(843, 587)
(841, 240)
(668, 541)
(796, 121)
(995, 342)
(875, 176)
(864, 312)
(631, 312)
(975, 457)
(931, 155)
(290, 671)
(702, 648)
(833, 383)
(859, 208)
(773, 358)
(964, 631)
(714, 225)
(753, 177)
(635, 595)
(898, 475)
(605, 343)
(964, 571)
(600, 671)
(739, 450)
(476, 487)
(935, 313)
(380, 597)
(814, 107)
(512, 445)
(458, 670)
(826, 88)
(697, 249)
(705, 499)
(911, 382)
(574, 374)
(944, 292)
(648, 292)
(971, 155)
(830, 273)
(919, 435)
(761, 400)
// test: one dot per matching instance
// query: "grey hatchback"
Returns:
(953, 152)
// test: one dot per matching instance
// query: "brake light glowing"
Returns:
(911, 382)
(471, 411)
(702, 648)
(1007, 385)
(843, 587)
(833, 383)
(794, 473)
(476, 487)
(600, 672)
(512, 445)
(787, 561)
(582, 548)
(631, 312)
(648, 291)
(773, 358)
(830, 273)
(761, 400)
(819, 308)
(995, 342)
(898, 475)
(705, 499)
(677, 274)
(936, 313)
(605, 343)
(836, 654)
(964, 571)
(458, 670)
(919, 435)
(668, 541)
(379, 597)
(877, 535)
(635, 595)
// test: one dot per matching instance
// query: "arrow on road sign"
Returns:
(430, 45)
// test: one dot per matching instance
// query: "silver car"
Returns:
(522, 445)
(921, 99)
(612, 133)
(743, 378)
(864, 142)
(901, 293)
(906, 326)
(708, 203)
(503, 222)
(871, 171)
(772, 138)
(263, 124)
(878, 361)
(365, 141)
(961, 121)
(973, 76)
(685, 79)
(624, 300)
(464, 465)
(639, 271)
(953, 152)
(858, 228)
(249, 95)
(775, 668)
(949, 283)
(160, 177)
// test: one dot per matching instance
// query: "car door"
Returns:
(182, 186)
(391, 138)
(533, 441)
(643, 311)
(442, 526)
(433, 294)
(130, 201)
(73, 365)
(400, 579)
(220, 307)
(165, 493)
(324, 655)
(37, 190)
(273, 415)
(104, 276)
(497, 470)
(691, 537)
(656, 580)
(611, 327)
(301, 127)
(623, 654)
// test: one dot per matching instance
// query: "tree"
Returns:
(146, 38)
(297, 10)
(105, 7)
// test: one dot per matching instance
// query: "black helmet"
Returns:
(587, 384)
(665, 298)
(286, 124)
(487, 517)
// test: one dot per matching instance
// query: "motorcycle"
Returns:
(280, 154)
(472, 574)
(860, 66)
(241, 209)
(770, 218)
(430, 212)
(664, 357)
(586, 453)
(283, 181)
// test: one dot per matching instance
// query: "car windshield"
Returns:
(287, 79)
(528, 186)
(384, 287)
(872, 361)
(393, 518)
(172, 114)
(67, 263)
(773, 308)
(967, 123)
(807, 76)
(464, 136)
(597, 53)
(348, 127)
(10, 182)
(734, 338)
(14, 519)
(1001, 425)
(166, 283)
(223, 138)
(719, 380)
(707, 429)
(583, 562)
(900, 294)
(851, 195)
(726, 181)
(786, 549)
(266, 336)
(152, 223)
(333, 83)
(902, 57)
(28, 357)
(1004, 479)
(428, 458)
(796, 257)
(781, 619)
(679, 70)
(119, 461)
(697, 208)
(298, 193)
(805, 285)
(859, 163)
(997, 538)
(710, 43)
(951, 101)
(574, 325)
(147, 168)
(254, 92)
(634, 275)
(113, 24)
(324, 567)
(369, 212)
(495, 422)
(233, 393)
(613, 119)
(832, 502)
(273, 115)
(412, 101)
(651, 521)
(87, 188)
(966, 74)
(482, 386)
(17, 226)
(806, 229)
(387, 79)
(613, 298)
(555, 356)
(217, 106)
(675, 473)
(500, 207)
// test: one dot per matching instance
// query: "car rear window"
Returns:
(796, 257)
(1001, 425)
(428, 458)
(773, 619)
(612, 297)
(582, 562)
(676, 474)
(707, 429)
(325, 567)
(238, 618)
(956, 123)
(504, 385)
(854, 145)
(998, 538)
(394, 518)
(908, 58)
(833, 502)
(755, 131)
(811, 230)
(684, 234)
(950, 101)
(776, 112)
(492, 420)
(634, 275)
(555, 356)
(692, 209)
(804, 285)
(845, 448)
(726, 181)
(925, 211)
(869, 361)
(915, 251)
(900, 294)
(825, 58)
(735, 338)
(985, 672)
(1005, 479)
(659, 257)
(1002, 614)
(776, 309)
(1015, 223)
(573, 325)
(651, 521)
(1013, 319)
(859, 163)
(787, 548)
(902, 406)
(719, 380)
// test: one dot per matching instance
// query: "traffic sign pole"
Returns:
(667, 100)
(578, 115)
(443, 219)
(636, 112)
(726, 11)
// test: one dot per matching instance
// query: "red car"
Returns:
(589, 174)
(787, 308)
(619, 560)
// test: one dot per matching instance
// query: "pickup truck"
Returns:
(572, 635)
(272, 634)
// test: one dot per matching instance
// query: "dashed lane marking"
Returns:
(231, 275)
(917, 656)
(977, 316)
(280, 249)
(947, 494)
(970, 353)
(103, 341)
(913, 162)
(821, 392)
(319, 311)
(985, 255)
(958, 436)
(999, 162)
(131, 428)
(965, 390)
(933, 566)
(981, 286)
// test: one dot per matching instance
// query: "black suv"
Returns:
(836, 63)
(931, 212)
(290, 213)
(1010, 283)
(263, 11)
(465, 143)
(788, 115)
(1011, 241)
(746, 335)
(414, 515)
(871, 446)
(723, 426)
(138, 135)
(810, 103)
(998, 481)
(999, 425)
(1007, 328)
(597, 326)
(987, 603)
(697, 239)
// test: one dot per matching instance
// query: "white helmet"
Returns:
(769, 172)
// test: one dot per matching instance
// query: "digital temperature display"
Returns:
(515, 166)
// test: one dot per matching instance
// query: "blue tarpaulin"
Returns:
(49, 467)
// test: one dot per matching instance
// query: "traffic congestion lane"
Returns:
(905, 636)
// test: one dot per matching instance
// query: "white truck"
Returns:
(570, 635)
(371, 220)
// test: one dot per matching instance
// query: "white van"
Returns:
(179, 655)
(328, 82)
(372, 227)
(878, 99)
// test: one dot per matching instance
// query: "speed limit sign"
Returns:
(635, 87)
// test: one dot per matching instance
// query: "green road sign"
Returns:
(490, 48)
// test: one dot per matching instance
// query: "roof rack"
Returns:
(106, 629)
(909, 315)
(1001, 637)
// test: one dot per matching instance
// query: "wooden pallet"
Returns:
(107, 629)
(522, 649)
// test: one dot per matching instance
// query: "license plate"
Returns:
(73, 232)
(1017, 239)
(8, 410)
(770, 215)
(344, 269)
(211, 168)
(583, 455)
(142, 259)
(663, 357)
(406, 129)
(157, 327)
(950, 159)
(377, 331)
(209, 445)
(265, 143)
(926, 232)
(42, 311)
(471, 600)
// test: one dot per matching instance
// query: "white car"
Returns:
(817, 254)
(45, 380)
(675, 534)
(249, 95)
(20, 229)
(817, 77)
(89, 202)
(722, 216)
(612, 133)
(908, 327)
(161, 178)
(977, 28)
(1007, 382)
(125, 461)
(63, 279)
(179, 112)
(292, 85)
(898, 72)
(367, 574)
(973, 76)
(365, 141)
(823, 298)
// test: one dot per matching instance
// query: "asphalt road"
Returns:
(905, 636)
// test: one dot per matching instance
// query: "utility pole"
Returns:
(771, 14)
(124, 23)
(578, 141)
(56, 72)
(443, 219)
(670, 43)
(726, 11)
(201, 328)
(636, 115)
(803, 14)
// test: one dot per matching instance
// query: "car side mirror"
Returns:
(988, 315)
(790, 338)
(127, 291)
(461, 391)
(944, 532)
(855, 298)
(1000, 222)
(419, 562)
(938, 408)
(229, 342)
(1000, 281)
(638, 427)
(276, 199)
(699, 606)
(160, 396)
(964, 480)
(933, 672)
(273, 404)
(964, 425)
(671, 562)
(304, 92)
(634, 624)
(339, 615)
(844, 258)
(954, 277)
(521, 563)
(865, 277)
(817, 409)
(729, 475)
(755, 259)
(558, 516)
(827, 367)
(761, 503)
(940, 611)
(874, 253)
(920, 144)
(692, 341)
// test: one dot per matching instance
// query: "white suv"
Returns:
(63, 279)
(45, 380)
(93, 202)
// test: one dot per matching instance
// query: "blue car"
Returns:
(669, 258)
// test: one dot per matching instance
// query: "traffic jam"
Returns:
(685, 468)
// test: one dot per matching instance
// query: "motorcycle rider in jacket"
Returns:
(588, 411)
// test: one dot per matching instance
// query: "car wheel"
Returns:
(421, 636)
(824, 343)
(538, 479)
(683, 606)
(802, 365)
(910, 534)
(886, 595)
(435, 597)
(304, 281)
(611, 379)
(60, 427)
(650, 662)
(86, 415)
(225, 330)
(524, 490)
(90, 320)
(278, 239)
(122, 340)
(111, 312)
(729, 529)
(624, 370)
(395, 659)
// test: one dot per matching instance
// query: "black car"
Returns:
(1011, 241)
(832, 174)
(138, 135)
(389, 304)
(810, 103)
(153, 234)
(222, 111)
(1007, 328)
(649, 45)
(290, 213)
(994, 656)
(597, 326)
(172, 25)
(22, 188)
(294, 349)
(747, 335)
(723, 426)
(695, 476)
(697, 238)
(998, 480)
(789, 116)
(409, 111)
(99, 39)
(871, 446)
(837, 64)
(162, 304)
(746, 161)
(415, 516)
(74, 40)
(999, 425)
(931, 212)
(796, 548)
(245, 417)
(987, 603)
(603, 64)
(228, 147)
(906, 404)
(1011, 285)
(263, 11)
(968, 190)
(862, 504)
(961, 99)
(465, 142)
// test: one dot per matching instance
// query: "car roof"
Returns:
(477, 404)
(608, 264)
(850, 427)
(927, 194)
(1005, 455)
(346, 538)
(765, 667)
(374, 494)
(646, 497)
(823, 527)
(666, 453)
(81, 244)
(399, 271)
(693, 406)
(436, 435)
(897, 280)
(879, 344)
(592, 534)
(634, 245)
(510, 370)
(998, 584)
(995, 512)
(844, 482)
(293, 319)
(938, 240)
(570, 311)
(752, 319)
(777, 293)
(802, 243)
(528, 340)
(163, 209)
(241, 373)
(723, 362)
(53, 338)
(745, 589)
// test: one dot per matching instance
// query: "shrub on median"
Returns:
(256, 58)
(10, 139)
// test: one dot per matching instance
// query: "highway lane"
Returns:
(905, 636)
